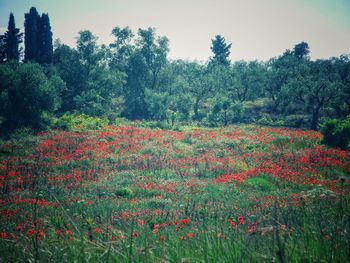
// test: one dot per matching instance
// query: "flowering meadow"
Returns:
(129, 194)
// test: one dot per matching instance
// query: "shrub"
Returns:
(260, 183)
(79, 122)
(297, 121)
(25, 93)
(124, 192)
(336, 133)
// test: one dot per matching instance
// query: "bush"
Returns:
(297, 121)
(336, 133)
(25, 93)
(79, 122)
(125, 192)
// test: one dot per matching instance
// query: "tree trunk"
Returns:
(225, 118)
(315, 118)
(196, 108)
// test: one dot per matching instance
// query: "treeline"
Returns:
(133, 78)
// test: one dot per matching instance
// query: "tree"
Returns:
(134, 90)
(91, 85)
(201, 85)
(221, 50)
(72, 71)
(2, 49)
(279, 72)
(32, 35)
(247, 80)
(25, 93)
(301, 50)
(37, 37)
(46, 47)
(88, 49)
(12, 39)
(154, 49)
(121, 48)
(342, 105)
(316, 85)
(157, 104)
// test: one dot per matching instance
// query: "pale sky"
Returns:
(257, 29)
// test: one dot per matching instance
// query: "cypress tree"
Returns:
(32, 35)
(12, 40)
(38, 37)
(2, 49)
(46, 47)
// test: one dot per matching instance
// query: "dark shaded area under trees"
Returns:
(133, 78)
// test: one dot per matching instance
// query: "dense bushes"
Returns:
(337, 133)
(26, 93)
(78, 122)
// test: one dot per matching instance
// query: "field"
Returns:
(131, 194)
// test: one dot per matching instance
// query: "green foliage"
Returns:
(260, 183)
(124, 192)
(79, 122)
(221, 50)
(225, 112)
(133, 78)
(246, 80)
(183, 104)
(38, 37)
(90, 102)
(336, 133)
(267, 120)
(301, 50)
(12, 39)
(2, 49)
(296, 120)
(46, 46)
(157, 104)
(26, 93)
(31, 39)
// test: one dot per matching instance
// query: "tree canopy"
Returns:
(132, 77)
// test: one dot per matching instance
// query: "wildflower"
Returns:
(19, 180)
(69, 233)
(190, 235)
(31, 232)
(140, 222)
(98, 231)
(162, 238)
(3, 235)
(40, 235)
(252, 228)
(232, 223)
(185, 221)
(241, 220)
(19, 228)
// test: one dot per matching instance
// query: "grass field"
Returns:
(129, 194)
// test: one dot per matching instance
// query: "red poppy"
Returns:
(241, 220)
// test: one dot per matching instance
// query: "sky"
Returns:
(257, 29)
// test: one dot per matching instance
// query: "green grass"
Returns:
(128, 194)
